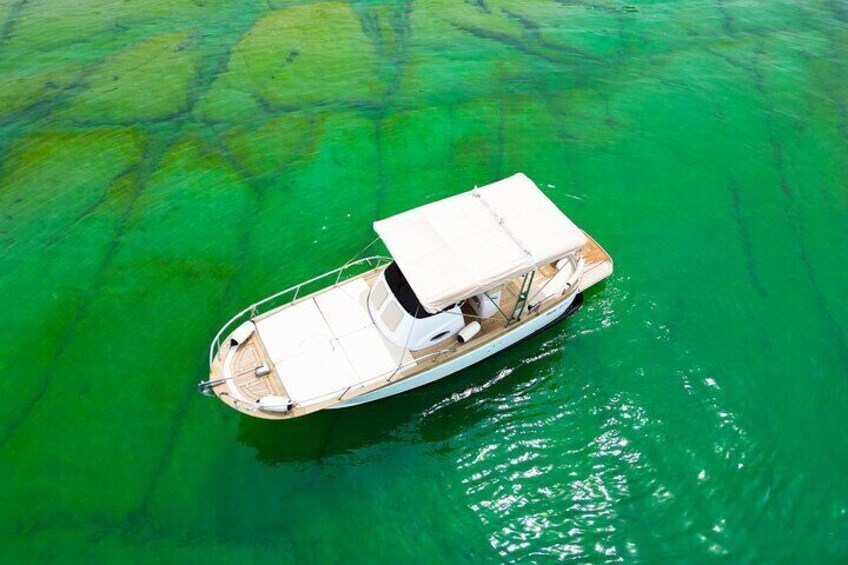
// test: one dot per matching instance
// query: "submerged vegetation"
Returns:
(162, 164)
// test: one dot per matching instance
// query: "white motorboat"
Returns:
(470, 275)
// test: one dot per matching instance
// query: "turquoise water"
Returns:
(163, 165)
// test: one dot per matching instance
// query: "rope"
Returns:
(464, 315)
(363, 250)
(502, 223)
(492, 300)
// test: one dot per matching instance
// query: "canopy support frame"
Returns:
(521, 299)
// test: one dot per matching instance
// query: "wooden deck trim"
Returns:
(594, 255)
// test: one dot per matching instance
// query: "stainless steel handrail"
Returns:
(399, 369)
(253, 309)
(376, 261)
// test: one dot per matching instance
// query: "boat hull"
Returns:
(544, 321)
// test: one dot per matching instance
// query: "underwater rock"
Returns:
(274, 144)
(299, 56)
(145, 81)
(25, 88)
(50, 179)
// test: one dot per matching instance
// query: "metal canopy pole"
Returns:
(521, 301)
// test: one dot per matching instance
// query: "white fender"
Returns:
(242, 332)
(468, 332)
(278, 404)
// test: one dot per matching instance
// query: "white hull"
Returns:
(285, 357)
(457, 364)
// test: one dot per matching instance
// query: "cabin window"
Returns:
(392, 315)
(378, 295)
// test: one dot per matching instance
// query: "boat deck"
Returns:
(250, 357)
(324, 348)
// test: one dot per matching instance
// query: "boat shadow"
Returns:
(431, 414)
(323, 434)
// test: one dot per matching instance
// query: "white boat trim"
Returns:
(257, 309)
(460, 362)
(365, 334)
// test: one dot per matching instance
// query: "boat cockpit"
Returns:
(401, 318)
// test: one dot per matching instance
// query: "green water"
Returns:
(165, 164)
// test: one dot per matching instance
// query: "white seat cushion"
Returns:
(283, 333)
(315, 375)
(313, 364)
(370, 354)
(345, 308)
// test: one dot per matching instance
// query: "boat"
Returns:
(468, 276)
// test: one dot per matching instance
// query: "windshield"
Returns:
(403, 292)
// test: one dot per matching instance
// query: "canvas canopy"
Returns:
(470, 243)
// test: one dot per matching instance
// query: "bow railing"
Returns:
(291, 294)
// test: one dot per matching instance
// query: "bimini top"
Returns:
(470, 243)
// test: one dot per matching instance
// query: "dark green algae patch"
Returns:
(162, 165)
